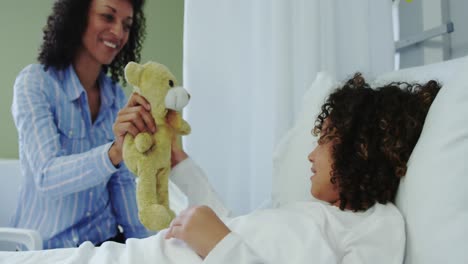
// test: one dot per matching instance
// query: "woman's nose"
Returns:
(118, 30)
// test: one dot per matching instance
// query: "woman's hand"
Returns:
(134, 118)
(200, 228)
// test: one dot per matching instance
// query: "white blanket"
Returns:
(153, 250)
(308, 232)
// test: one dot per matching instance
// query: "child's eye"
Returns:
(321, 141)
(324, 139)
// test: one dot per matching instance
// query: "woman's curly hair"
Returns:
(65, 28)
(374, 132)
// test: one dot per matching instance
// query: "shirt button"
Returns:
(75, 239)
(88, 213)
(90, 193)
(70, 133)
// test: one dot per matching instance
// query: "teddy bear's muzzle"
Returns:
(177, 98)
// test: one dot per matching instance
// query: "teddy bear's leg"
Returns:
(162, 187)
(156, 217)
(153, 215)
(145, 191)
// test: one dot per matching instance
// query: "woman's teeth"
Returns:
(110, 44)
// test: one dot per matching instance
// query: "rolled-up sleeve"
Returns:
(192, 181)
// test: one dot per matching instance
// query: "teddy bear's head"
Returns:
(158, 85)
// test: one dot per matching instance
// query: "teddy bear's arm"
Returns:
(176, 121)
(184, 127)
(143, 142)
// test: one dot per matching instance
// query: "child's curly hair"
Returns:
(374, 132)
(65, 28)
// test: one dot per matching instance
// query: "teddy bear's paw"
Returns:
(156, 217)
(185, 128)
(143, 142)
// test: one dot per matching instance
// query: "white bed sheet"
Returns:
(304, 242)
(304, 232)
(154, 249)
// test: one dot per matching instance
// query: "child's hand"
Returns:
(200, 228)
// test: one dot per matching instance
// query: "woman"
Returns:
(365, 139)
(66, 110)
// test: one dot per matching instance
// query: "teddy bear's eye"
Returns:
(171, 83)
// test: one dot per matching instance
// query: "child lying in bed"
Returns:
(365, 139)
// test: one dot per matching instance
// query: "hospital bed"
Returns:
(432, 196)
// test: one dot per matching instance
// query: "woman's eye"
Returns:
(127, 27)
(171, 83)
(108, 17)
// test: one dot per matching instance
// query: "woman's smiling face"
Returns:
(108, 29)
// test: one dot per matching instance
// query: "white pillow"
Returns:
(433, 196)
(291, 169)
(443, 72)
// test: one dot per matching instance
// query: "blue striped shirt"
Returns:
(71, 192)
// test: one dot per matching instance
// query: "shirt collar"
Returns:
(72, 84)
(108, 90)
(74, 88)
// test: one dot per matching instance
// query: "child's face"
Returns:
(322, 161)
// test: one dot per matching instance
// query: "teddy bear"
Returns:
(148, 156)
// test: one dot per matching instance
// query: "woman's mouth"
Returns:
(110, 44)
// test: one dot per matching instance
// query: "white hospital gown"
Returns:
(302, 232)
(313, 232)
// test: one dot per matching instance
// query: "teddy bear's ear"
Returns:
(132, 73)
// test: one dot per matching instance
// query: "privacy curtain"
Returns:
(247, 64)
